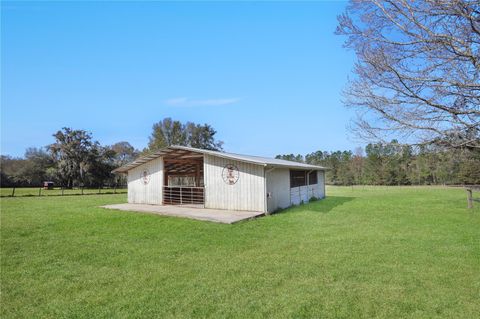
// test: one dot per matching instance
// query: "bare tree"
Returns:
(418, 69)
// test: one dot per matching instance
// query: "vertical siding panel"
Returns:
(304, 193)
(247, 194)
(278, 185)
(150, 193)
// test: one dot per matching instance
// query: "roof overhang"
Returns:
(167, 151)
(184, 152)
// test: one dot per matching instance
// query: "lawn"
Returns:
(364, 252)
(57, 191)
(39, 191)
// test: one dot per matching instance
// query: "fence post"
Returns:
(469, 198)
(40, 191)
(13, 191)
(115, 189)
(181, 200)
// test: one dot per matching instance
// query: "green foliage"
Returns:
(73, 160)
(397, 164)
(9, 168)
(80, 160)
(291, 157)
(29, 171)
(363, 252)
(169, 132)
(123, 153)
(34, 171)
(71, 152)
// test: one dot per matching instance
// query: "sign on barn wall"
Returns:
(145, 176)
(230, 174)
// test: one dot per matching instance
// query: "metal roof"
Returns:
(265, 161)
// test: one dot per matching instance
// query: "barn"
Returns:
(178, 175)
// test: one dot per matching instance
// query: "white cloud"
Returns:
(184, 101)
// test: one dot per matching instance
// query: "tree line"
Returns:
(75, 159)
(397, 164)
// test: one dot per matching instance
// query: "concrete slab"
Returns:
(192, 212)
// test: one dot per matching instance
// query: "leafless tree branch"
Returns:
(418, 69)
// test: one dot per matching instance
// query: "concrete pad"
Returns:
(192, 212)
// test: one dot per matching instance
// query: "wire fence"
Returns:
(60, 191)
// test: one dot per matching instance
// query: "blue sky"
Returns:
(267, 76)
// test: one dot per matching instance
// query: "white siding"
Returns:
(278, 187)
(150, 193)
(248, 193)
(304, 193)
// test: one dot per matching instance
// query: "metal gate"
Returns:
(178, 195)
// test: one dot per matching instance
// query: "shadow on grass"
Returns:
(321, 206)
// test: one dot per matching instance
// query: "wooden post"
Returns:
(197, 174)
(13, 191)
(115, 189)
(40, 191)
(469, 198)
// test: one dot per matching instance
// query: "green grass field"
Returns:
(36, 191)
(366, 252)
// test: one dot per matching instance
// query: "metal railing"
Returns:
(180, 195)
